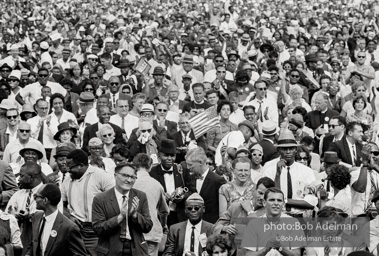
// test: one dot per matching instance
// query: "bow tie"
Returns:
(167, 172)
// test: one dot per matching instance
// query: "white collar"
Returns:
(52, 216)
(119, 195)
(197, 226)
(205, 174)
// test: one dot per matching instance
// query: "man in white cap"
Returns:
(45, 55)
(64, 62)
(269, 132)
(290, 176)
(189, 237)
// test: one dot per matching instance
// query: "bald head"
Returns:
(32, 168)
(24, 126)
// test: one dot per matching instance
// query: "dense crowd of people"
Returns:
(178, 128)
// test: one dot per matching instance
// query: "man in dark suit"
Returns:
(109, 49)
(337, 126)
(269, 130)
(184, 137)
(207, 183)
(53, 233)
(349, 148)
(176, 178)
(318, 119)
(71, 98)
(121, 216)
(175, 104)
(195, 227)
(104, 115)
(125, 68)
(161, 110)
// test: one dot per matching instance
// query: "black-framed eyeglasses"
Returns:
(262, 89)
(5, 70)
(162, 110)
(88, 89)
(293, 76)
(42, 76)
(114, 84)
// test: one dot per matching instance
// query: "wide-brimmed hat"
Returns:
(32, 145)
(63, 127)
(233, 52)
(167, 146)
(158, 71)
(188, 59)
(147, 108)
(331, 157)
(311, 58)
(269, 128)
(248, 124)
(286, 140)
(86, 97)
(125, 63)
(28, 108)
(8, 104)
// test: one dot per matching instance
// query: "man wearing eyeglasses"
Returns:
(160, 119)
(9, 134)
(121, 216)
(211, 75)
(78, 192)
(32, 92)
(5, 71)
(189, 237)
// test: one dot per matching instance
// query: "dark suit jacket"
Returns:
(4, 138)
(269, 151)
(181, 153)
(74, 97)
(315, 118)
(156, 173)
(105, 210)
(177, 234)
(90, 132)
(327, 141)
(172, 127)
(209, 192)
(68, 240)
(343, 151)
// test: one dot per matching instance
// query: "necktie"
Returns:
(354, 156)
(328, 186)
(28, 200)
(40, 134)
(289, 184)
(277, 180)
(260, 115)
(167, 172)
(39, 247)
(63, 176)
(124, 234)
(192, 247)
(113, 101)
(289, 188)
(123, 123)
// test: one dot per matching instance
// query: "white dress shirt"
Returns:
(187, 238)
(130, 123)
(270, 105)
(119, 201)
(32, 92)
(199, 182)
(353, 151)
(54, 122)
(48, 135)
(47, 230)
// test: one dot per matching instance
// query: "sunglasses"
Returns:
(295, 76)
(12, 117)
(114, 84)
(94, 78)
(196, 208)
(375, 153)
(219, 61)
(170, 155)
(302, 158)
(148, 130)
(107, 135)
(13, 80)
(262, 89)
(24, 131)
(222, 72)
(333, 126)
(6, 70)
(361, 57)
(96, 148)
(258, 155)
(88, 89)
(162, 110)
(42, 75)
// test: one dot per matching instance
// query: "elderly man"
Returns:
(207, 182)
(96, 150)
(11, 152)
(121, 216)
(189, 237)
(123, 118)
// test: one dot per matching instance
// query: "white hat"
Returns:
(195, 197)
(81, 29)
(92, 56)
(108, 40)
(16, 74)
(147, 108)
(55, 36)
(14, 47)
(44, 45)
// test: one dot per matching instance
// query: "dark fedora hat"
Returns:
(167, 146)
(63, 127)
(158, 71)
(63, 151)
(124, 63)
(269, 47)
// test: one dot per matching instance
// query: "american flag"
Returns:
(204, 121)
